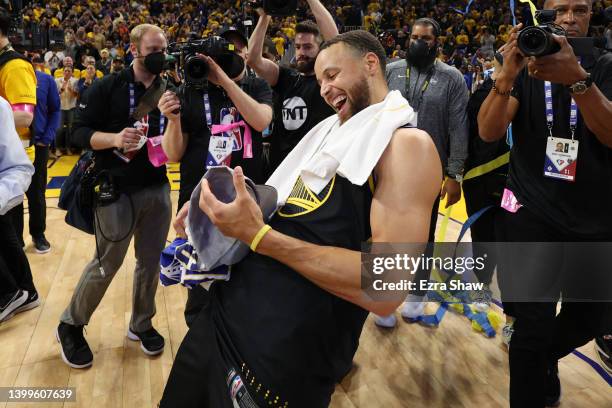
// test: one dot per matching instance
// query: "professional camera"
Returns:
(538, 41)
(278, 8)
(195, 70)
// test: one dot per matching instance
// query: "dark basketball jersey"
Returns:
(285, 335)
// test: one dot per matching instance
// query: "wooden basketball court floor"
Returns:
(409, 366)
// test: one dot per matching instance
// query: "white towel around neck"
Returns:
(351, 150)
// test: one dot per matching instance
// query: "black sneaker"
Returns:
(603, 350)
(75, 350)
(41, 245)
(10, 303)
(31, 302)
(151, 342)
(553, 386)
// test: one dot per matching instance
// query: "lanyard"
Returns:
(208, 110)
(162, 124)
(573, 120)
(423, 88)
(132, 100)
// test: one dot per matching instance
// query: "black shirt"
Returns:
(296, 339)
(108, 110)
(193, 122)
(581, 207)
(299, 108)
(479, 151)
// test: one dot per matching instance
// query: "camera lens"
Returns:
(232, 64)
(196, 69)
(534, 41)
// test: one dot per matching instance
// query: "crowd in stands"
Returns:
(98, 31)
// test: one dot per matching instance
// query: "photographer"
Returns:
(544, 205)
(299, 104)
(133, 199)
(188, 135)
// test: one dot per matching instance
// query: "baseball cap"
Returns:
(228, 32)
(213, 248)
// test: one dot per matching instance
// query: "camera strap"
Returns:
(162, 118)
(573, 121)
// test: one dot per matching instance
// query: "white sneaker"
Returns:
(413, 308)
(13, 303)
(482, 299)
(387, 322)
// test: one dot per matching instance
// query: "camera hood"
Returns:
(232, 64)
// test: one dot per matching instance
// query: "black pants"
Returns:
(63, 138)
(541, 337)
(37, 205)
(197, 298)
(479, 193)
(199, 371)
(15, 270)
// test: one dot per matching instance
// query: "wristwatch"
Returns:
(581, 87)
(457, 177)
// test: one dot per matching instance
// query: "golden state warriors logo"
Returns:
(302, 200)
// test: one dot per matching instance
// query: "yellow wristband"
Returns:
(259, 236)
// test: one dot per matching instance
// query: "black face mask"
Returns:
(154, 62)
(420, 54)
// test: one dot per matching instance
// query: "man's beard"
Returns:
(358, 97)
(306, 66)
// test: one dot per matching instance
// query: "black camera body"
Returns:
(538, 41)
(195, 70)
(278, 8)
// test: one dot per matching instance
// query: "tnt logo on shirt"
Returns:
(295, 113)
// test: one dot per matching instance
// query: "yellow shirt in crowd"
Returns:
(279, 42)
(469, 24)
(462, 39)
(289, 32)
(59, 73)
